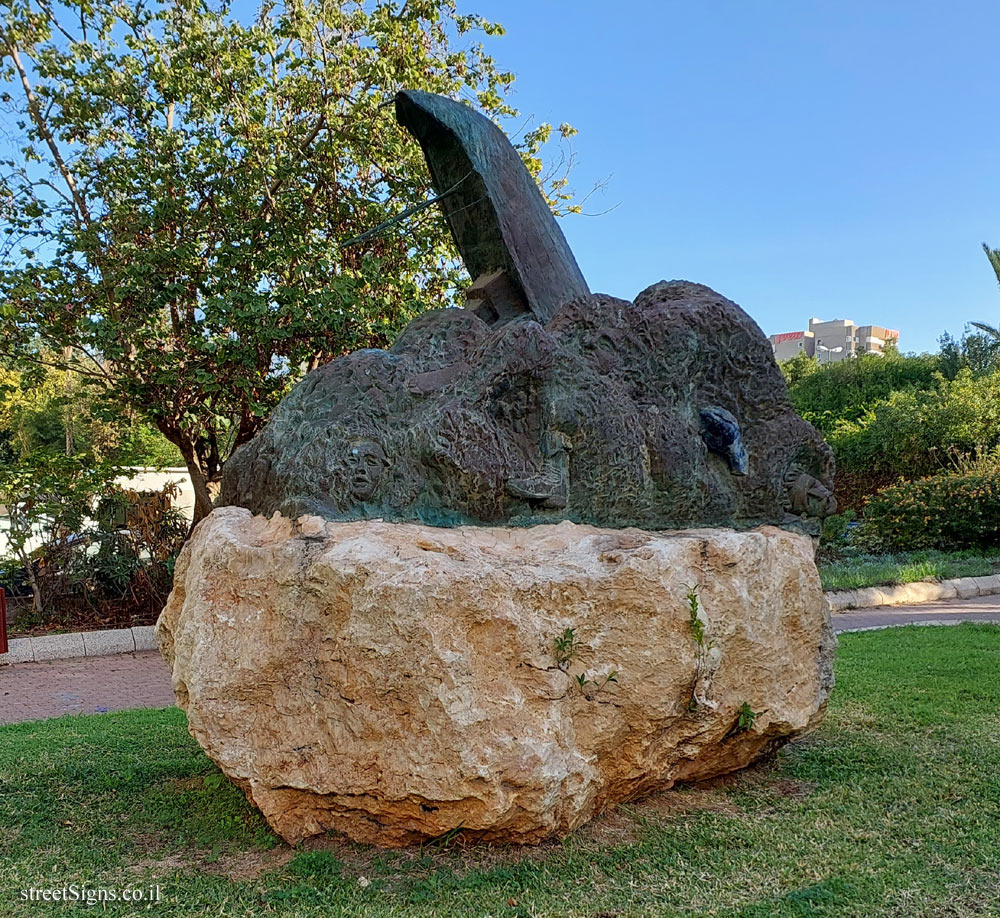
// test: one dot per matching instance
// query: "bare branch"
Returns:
(409, 212)
(34, 110)
(48, 363)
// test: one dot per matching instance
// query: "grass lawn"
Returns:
(875, 570)
(891, 808)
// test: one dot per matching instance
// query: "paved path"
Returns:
(84, 685)
(978, 609)
(32, 691)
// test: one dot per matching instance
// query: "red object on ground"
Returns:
(3, 620)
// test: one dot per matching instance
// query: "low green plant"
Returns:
(566, 649)
(447, 839)
(703, 642)
(833, 534)
(746, 718)
(697, 625)
(86, 550)
(855, 571)
(596, 685)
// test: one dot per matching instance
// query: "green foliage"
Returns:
(901, 415)
(174, 218)
(51, 412)
(449, 838)
(705, 645)
(864, 570)
(144, 446)
(48, 499)
(979, 353)
(798, 368)
(948, 511)
(915, 433)
(833, 533)
(87, 551)
(315, 866)
(846, 391)
(697, 625)
(591, 686)
(993, 256)
(746, 718)
(566, 649)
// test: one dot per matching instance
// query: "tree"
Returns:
(847, 390)
(797, 368)
(994, 258)
(176, 217)
(56, 414)
(978, 353)
(48, 499)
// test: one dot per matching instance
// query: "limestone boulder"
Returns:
(395, 681)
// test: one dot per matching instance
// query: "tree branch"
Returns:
(47, 363)
(409, 212)
(34, 110)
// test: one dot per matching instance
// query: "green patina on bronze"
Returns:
(497, 216)
(540, 402)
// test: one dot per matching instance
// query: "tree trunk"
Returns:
(36, 593)
(199, 480)
(202, 496)
(67, 394)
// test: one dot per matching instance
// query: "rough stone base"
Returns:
(396, 681)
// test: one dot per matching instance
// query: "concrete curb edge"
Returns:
(909, 594)
(80, 644)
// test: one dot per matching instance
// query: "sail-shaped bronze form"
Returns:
(508, 238)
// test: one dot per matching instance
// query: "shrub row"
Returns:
(949, 511)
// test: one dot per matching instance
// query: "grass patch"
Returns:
(890, 809)
(875, 570)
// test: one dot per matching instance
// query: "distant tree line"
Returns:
(901, 416)
(916, 438)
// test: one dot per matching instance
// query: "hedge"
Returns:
(949, 511)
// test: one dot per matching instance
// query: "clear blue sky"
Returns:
(835, 159)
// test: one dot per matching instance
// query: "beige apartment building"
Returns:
(832, 341)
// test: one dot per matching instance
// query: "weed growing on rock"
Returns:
(566, 648)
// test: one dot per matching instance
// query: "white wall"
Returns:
(140, 479)
(153, 479)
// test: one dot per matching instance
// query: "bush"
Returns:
(845, 391)
(949, 511)
(900, 416)
(82, 551)
(913, 434)
(121, 570)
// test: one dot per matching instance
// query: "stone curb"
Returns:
(80, 644)
(909, 594)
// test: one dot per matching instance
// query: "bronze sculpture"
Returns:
(539, 401)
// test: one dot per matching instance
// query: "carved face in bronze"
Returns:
(365, 464)
(808, 496)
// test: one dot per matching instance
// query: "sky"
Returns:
(827, 159)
